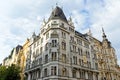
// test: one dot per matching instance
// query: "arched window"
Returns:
(74, 73)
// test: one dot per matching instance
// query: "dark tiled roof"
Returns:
(57, 13)
(80, 34)
(18, 48)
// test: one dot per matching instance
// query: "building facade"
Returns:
(13, 57)
(59, 52)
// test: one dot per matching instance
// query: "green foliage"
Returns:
(2, 72)
(10, 73)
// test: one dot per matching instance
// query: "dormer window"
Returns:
(42, 30)
(55, 22)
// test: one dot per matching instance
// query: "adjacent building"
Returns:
(59, 52)
(13, 57)
(18, 57)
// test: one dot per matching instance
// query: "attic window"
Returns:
(55, 22)
(62, 24)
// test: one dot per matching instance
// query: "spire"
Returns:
(104, 35)
(33, 35)
(89, 32)
(70, 19)
(105, 39)
(57, 13)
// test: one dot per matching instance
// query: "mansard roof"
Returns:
(58, 13)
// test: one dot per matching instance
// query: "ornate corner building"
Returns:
(59, 52)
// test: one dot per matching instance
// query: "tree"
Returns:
(2, 72)
(10, 73)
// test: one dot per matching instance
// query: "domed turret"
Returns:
(57, 13)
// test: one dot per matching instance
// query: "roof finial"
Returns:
(33, 34)
(56, 4)
(89, 32)
(44, 20)
(103, 30)
(104, 35)
(52, 7)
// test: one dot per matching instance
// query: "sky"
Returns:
(20, 18)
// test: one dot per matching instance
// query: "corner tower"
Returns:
(57, 13)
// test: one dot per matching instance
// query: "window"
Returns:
(34, 45)
(64, 58)
(74, 60)
(63, 45)
(74, 73)
(64, 72)
(47, 35)
(42, 30)
(46, 58)
(95, 56)
(33, 54)
(80, 61)
(81, 52)
(37, 51)
(54, 21)
(40, 61)
(89, 64)
(87, 54)
(37, 43)
(40, 50)
(46, 46)
(90, 76)
(54, 43)
(74, 48)
(96, 65)
(63, 35)
(41, 40)
(72, 39)
(82, 74)
(45, 72)
(54, 56)
(79, 41)
(39, 73)
(86, 45)
(53, 70)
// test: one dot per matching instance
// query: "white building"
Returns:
(61, 53)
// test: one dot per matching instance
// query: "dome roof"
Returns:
(57, 13)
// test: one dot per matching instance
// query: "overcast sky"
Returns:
(19, 18)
